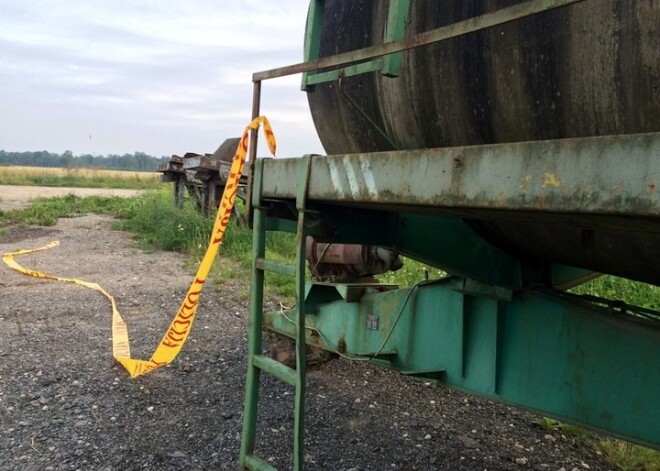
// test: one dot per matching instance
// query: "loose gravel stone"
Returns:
(468, 442)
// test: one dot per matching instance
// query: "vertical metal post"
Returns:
(252, 151)
(179, 190)
(312, 46)
(396, 29)
(210, 206)
(301, 353)
(255, 324)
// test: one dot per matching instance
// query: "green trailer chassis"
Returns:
(502, 325)
(558, 354)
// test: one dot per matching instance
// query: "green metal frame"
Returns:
(494, 328)
(257, 362)
(396, 29)
(389, 65)
(483, 331)
(558, 354)
(312, 45)
(535, 176)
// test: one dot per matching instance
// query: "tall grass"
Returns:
(78, 177)
(158, 224)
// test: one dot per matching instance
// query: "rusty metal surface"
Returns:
(169, 167)
(200, 162)
(227, 150)
(201, 177)
(349, 262)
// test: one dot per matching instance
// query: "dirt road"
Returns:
(14, 196)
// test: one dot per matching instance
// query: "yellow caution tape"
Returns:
(178, 331)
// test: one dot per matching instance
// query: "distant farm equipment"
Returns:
(202, 177)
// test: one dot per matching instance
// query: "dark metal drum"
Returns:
(589, 69)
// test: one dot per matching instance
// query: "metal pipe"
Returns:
(487, 20)
(252, 151)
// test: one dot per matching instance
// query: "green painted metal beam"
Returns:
(450, 244)
(396, 29)
(303, 172)
(556, 354)
(389, 65)
(312, 37)
(331, 76)
(275, 368)
(255, 327)
(286, 269)
(526, 176)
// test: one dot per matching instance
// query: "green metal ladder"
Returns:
(257, 361)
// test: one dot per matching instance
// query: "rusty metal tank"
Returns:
(588, 69)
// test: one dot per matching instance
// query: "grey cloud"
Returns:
(152, 77)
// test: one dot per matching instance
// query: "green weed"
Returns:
(629, 457)
(157, 223)
(624, 456)
(630, 292)
(412, 273)
(552, 425)
(46, 211)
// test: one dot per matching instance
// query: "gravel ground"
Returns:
(66, 405)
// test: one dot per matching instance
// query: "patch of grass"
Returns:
(552, 425)
(624, 456)
(46, 211)
(157, 223)
(237, 246)
(281, 247)
(548, 424)
(630, 292)
(629, 457)
(79, 177)
(412, 273)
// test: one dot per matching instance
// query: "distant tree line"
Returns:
(136, 161)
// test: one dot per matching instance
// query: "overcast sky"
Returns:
(157, 76)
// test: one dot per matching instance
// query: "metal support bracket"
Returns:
(389, 66)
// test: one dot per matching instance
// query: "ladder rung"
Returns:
(276, 267)
(256, 464)
(275, 368)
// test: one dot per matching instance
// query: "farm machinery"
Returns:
(201, 177)
(514, 145)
